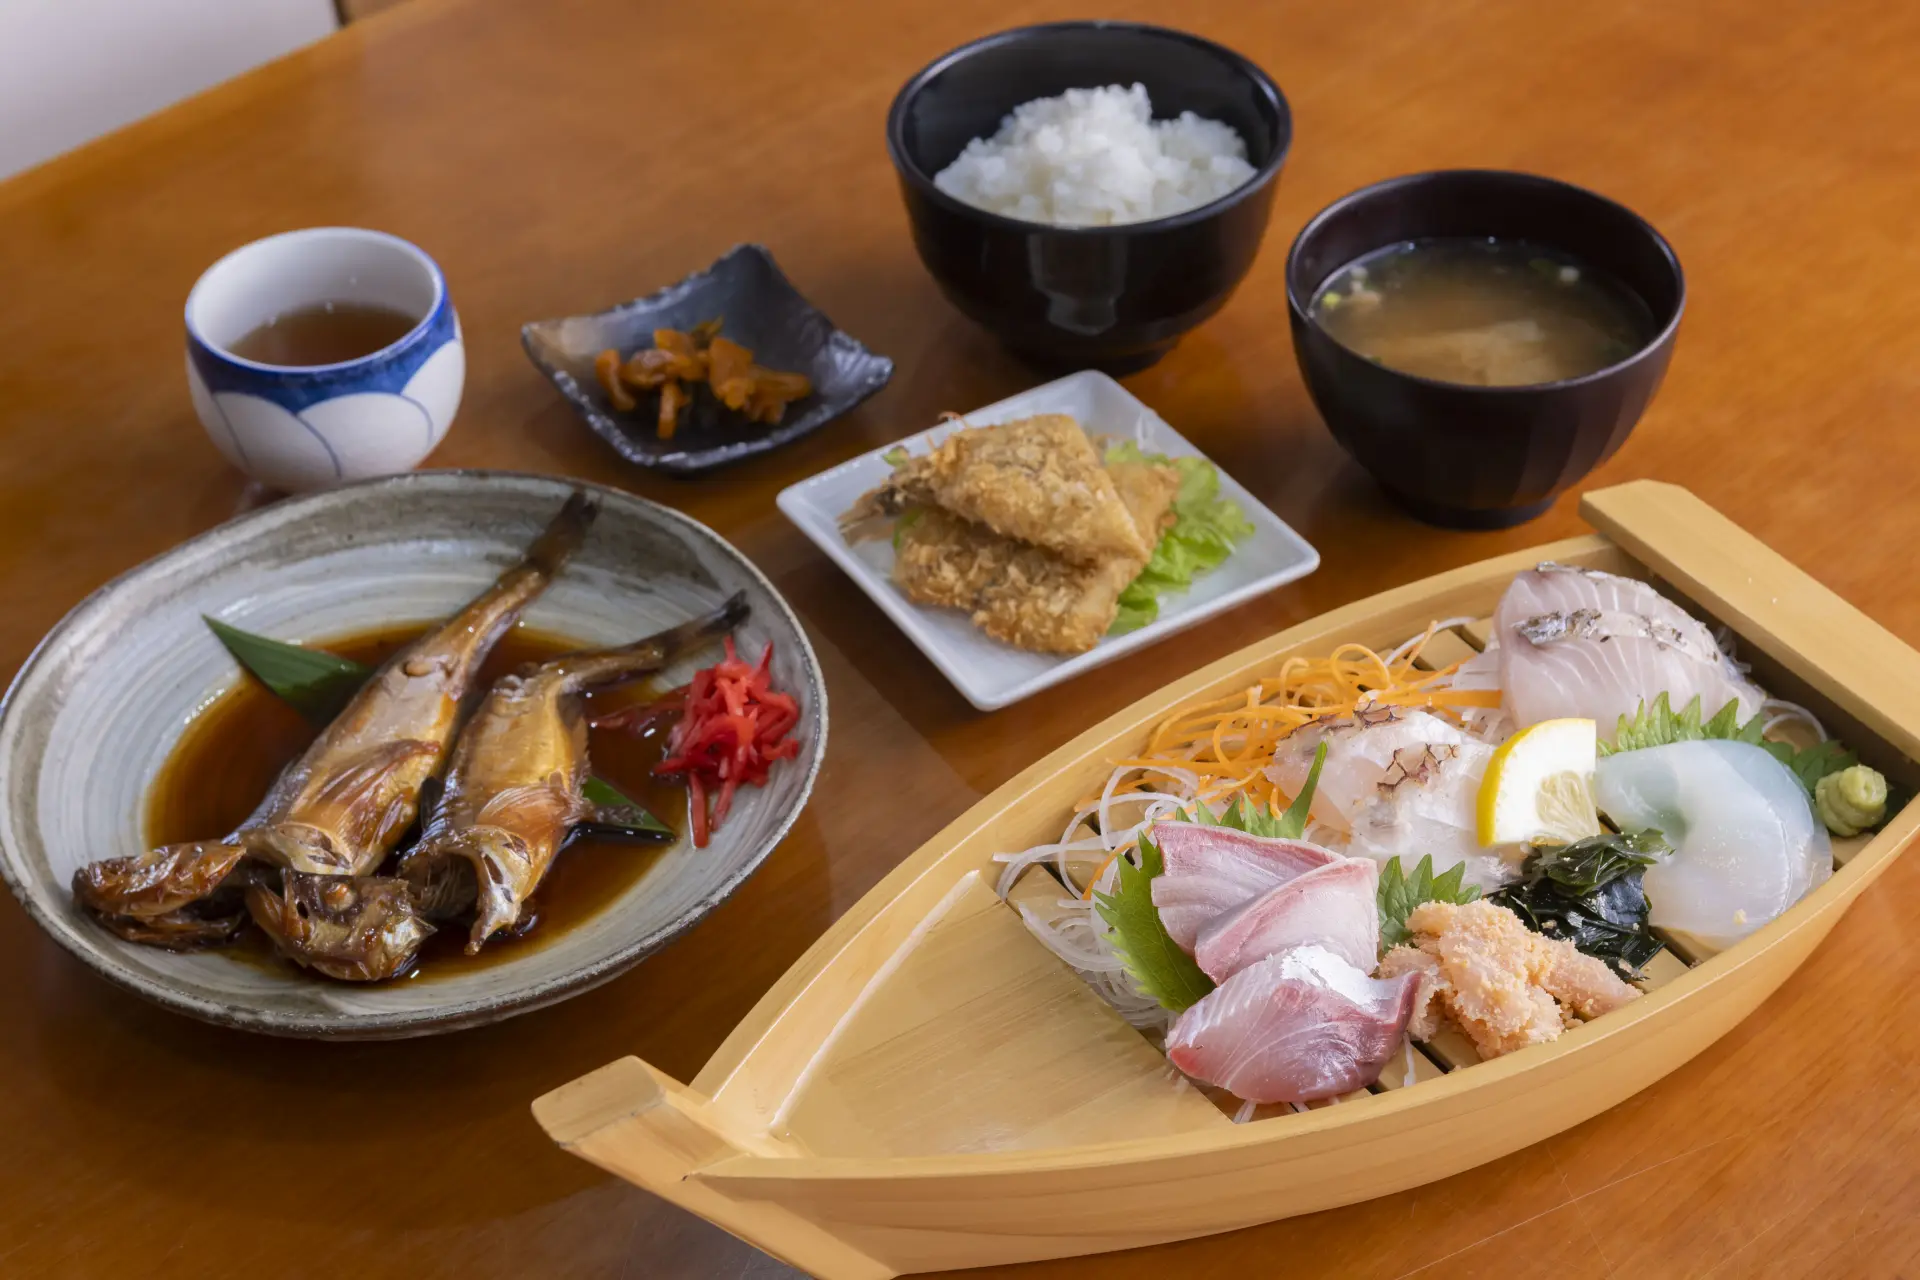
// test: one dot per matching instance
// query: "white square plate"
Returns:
(993, 675)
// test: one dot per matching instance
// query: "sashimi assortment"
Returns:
(1287, 885)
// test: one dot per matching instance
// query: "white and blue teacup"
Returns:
(308, 427)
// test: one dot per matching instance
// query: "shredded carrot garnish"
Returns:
(1228, 742)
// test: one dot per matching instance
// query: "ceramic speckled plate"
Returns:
(762, 311)
(95, 711)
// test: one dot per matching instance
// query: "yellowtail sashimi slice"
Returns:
(1335, 907)
(1210, 871)
(1301, 1025)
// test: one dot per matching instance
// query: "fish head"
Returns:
(355, 928)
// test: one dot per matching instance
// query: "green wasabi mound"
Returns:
(1852, 800)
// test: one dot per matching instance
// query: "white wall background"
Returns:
(71, 70)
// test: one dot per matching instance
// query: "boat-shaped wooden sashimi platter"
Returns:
(930, 1087)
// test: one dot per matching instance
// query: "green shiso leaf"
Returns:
(1401, 892)
(316, 684)
(1205, 529)
(1658, 724)
(1155, 963)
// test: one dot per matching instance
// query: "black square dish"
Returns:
(762, 311)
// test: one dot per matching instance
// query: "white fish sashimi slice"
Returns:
(1400, 783)
(1581, 643)
(1298, 1026)
(1360, 751)
(1335, 907)
(1212, 870)
(1746, 843)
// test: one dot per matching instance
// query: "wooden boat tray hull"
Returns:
(928, 1088)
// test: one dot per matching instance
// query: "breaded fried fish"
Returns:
(1036, 480)
(1020, 594)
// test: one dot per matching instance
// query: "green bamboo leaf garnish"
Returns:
(618, 809)
(316, 684)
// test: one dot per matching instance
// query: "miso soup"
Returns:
(1486, 312)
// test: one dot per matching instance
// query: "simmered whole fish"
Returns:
(513, 790)
(339, 809)
(1581, 643)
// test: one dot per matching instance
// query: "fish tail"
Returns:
(629, 662)
(467, 637)
(563, 535)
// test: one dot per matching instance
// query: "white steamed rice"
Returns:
(1096, 157)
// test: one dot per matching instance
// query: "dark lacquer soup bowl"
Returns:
(1481, 456)
(1112, 297)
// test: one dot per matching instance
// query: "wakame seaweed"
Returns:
(1589, 893)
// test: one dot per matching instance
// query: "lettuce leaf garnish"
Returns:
(1658, 724)
(1153, 960)
(1206, 526)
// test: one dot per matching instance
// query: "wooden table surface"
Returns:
(559, 156)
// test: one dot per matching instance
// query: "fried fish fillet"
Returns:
(1024, 595)
(1036, 480)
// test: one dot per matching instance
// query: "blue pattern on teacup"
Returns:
(306, 428)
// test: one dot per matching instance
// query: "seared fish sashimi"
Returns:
(1580, 643)
(345, 803)
(1209, 871)
(513, 789)
(1400, 782)
(1297, 1026)
(1335, 906)
(1746, 843)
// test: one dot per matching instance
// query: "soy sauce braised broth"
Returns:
(237, 745)
(324, 333)
(1482, 312)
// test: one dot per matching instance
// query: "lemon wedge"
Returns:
(1539, 786)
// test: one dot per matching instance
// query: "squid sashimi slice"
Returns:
(1298, 1026)
(1746, 843)
(1578, 642)
(1211, 870)
(1399, 782)
(1335, 907)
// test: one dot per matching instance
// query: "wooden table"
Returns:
(562, 155)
